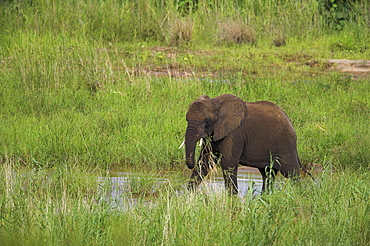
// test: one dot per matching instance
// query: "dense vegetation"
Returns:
(92, 85)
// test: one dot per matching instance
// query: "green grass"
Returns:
(141, 120)
(293, 215)
(91, 85)
(66, 205)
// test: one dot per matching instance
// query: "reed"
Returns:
(291, 215)
(192, 21)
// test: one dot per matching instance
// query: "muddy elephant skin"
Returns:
(255, 134)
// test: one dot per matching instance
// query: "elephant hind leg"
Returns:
(289, 165)
(290, 171)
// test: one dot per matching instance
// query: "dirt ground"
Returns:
(358, 68)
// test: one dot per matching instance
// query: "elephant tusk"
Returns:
(201, 142)
(182, 144)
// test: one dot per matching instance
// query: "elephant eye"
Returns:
(208, 122)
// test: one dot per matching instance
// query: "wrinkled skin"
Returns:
(255, 134)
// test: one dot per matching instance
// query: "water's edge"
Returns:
(249, 180)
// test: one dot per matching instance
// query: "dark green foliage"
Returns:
(338, 12)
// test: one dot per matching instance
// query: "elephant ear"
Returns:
(204, 97)
(232, 112)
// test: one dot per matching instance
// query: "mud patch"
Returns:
(354, 67)
(174, 72)
(186, 63)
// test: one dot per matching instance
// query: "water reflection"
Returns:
(122, 185)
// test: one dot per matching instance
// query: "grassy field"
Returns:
(87, 86)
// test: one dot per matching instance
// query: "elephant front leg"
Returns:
(200, 170)
(231, 181)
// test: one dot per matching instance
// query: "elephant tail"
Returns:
(307, 172)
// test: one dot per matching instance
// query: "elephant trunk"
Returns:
(191, 138)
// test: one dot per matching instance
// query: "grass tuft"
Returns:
(230, 31)
(279, 41)
(180, 31)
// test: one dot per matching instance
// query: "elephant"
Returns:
(256, 134)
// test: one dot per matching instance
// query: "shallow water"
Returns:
(120, 184)
(248, 178)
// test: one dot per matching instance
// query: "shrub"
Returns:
(230, 31)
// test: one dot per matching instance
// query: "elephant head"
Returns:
(216, 117)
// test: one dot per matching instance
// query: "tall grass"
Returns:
(66, 205)
(122, 21)
(293, 215)
(49, 207)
